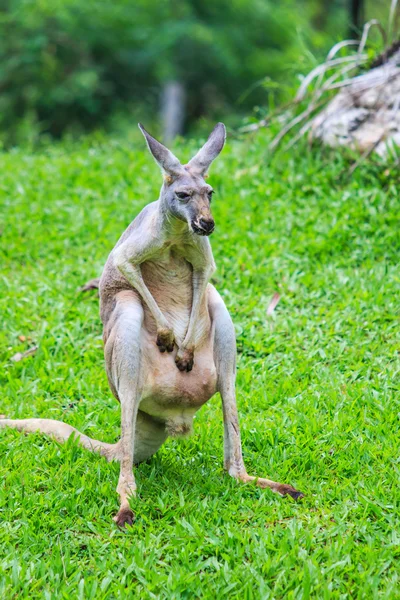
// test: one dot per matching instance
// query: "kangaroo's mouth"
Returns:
(203, 230)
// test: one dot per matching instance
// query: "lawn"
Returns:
(317, 383)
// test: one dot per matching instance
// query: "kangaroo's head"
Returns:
(185, 194)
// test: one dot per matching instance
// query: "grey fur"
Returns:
(209, 152)
(164, 157)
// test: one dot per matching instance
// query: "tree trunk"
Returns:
(172, 110)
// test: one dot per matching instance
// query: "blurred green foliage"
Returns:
(68, 65)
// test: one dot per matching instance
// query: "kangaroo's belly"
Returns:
(172, 396)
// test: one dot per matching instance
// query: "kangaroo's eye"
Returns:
(184, 196)
(210, 194)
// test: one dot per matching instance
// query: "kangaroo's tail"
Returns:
(61, 431)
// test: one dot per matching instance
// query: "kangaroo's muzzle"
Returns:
(202, 226)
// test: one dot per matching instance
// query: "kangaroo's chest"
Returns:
(169, 279)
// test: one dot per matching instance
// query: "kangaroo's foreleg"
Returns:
(128, 259)
(225, 360)
(185, 355)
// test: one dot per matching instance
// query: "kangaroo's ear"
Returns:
(164, 157)
(213, 146)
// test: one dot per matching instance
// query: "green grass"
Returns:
(317, 385)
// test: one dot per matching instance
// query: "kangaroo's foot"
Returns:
(165, 340)
(184, 359)
(125, 516)
(280, 488)
(126, 489)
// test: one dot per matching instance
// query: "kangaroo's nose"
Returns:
(207, 224)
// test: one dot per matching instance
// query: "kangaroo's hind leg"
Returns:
(123, 354)
(225, 361)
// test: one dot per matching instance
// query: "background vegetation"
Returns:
(318, 384)
(67, 65)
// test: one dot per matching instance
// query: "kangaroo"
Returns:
(169, 342)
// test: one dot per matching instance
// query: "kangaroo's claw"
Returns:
(165, 340)
(185, 360)
(124, 517)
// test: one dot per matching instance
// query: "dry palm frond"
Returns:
(347, 102)
(321, 70)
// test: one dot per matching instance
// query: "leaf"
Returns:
(273, 304)
(20, 355)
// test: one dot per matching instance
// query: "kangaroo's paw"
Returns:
(124, 517)
(165, 340)
(184, 360)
